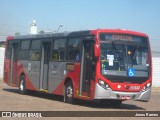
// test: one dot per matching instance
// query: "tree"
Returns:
(42, 32)
(17, 34)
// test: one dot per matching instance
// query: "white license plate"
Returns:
(125, 97)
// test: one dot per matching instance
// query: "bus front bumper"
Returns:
(101, 93)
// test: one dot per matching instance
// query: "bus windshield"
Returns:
(123, 56)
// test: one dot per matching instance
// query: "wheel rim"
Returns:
(69, 92)
(22, 85)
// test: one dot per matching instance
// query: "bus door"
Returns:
(86, 68)
(45, 66)
(13, 65)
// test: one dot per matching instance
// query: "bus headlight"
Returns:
(104, 84)
(146, 87)
(149, 85)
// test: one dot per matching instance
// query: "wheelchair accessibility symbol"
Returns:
(77, 57)
(131, 72)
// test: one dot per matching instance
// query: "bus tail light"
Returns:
(146, 87)
(104, 84)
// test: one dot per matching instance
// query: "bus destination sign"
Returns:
(122, 37)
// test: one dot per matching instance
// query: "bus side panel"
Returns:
(59, 89)
(33, 70)
(24, 69)
(6, 77)
(74, 76)
(57, 72)
(7, 62)
(14, 77)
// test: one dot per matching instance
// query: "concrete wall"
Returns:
(1, 61)
(156, 71)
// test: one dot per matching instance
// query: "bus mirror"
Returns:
(96, 50)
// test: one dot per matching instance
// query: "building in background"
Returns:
(33, 27)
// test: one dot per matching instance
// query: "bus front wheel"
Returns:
(68, 93)
(22, 85)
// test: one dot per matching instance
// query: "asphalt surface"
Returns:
(11, 100)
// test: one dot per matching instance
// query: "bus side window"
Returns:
(24, 50)
(55, 55)
(73, 49)
(58, 50)
(35, 50)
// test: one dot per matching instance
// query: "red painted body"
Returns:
(75, 75)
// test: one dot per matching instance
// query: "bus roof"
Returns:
(79, 33)
(120, 31)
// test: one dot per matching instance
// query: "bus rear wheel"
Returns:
(68, 93)
(22, 85)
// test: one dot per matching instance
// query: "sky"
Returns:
(137, 15)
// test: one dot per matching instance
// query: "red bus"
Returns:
(104, 64)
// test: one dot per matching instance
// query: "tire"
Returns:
(22, 85)
(68, 93)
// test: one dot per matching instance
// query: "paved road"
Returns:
(11, 100)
